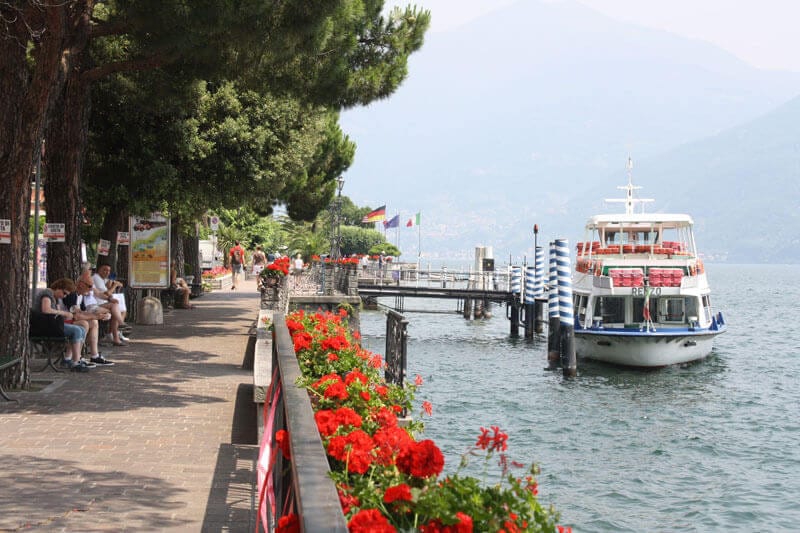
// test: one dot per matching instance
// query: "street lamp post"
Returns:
(336, 221)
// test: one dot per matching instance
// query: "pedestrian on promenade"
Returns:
(237, 260)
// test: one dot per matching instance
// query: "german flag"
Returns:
(375, 216)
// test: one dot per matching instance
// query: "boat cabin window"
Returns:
(707, 307)
(611, 308)
(638, 309)
(691, 306)
(672, 310)
(580, 301)
(613, 238)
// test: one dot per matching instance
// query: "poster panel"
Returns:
(149, 252)
(54, 232)
(5, 231)
(123, 238)
(103, 247)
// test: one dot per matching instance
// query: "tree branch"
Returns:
(133, 65)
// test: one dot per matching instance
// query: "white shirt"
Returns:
(100, 285)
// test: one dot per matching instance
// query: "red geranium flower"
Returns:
(421, 459)
(282, 440)
(288, 524)
(427, 407)
(401, 492)
(391, 442)
(336, 391)
(369, 521)
(354, 449)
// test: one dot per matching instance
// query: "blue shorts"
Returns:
(74, 333)
(237, 268)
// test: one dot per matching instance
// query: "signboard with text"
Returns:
(54, 233)
(149, 252)
(123, 238)
(5, 231)
(103, 247)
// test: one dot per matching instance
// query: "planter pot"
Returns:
(270, 282)
(222, 282)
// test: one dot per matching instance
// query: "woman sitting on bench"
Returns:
(47, 302)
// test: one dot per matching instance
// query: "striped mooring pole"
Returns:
(553, 335)
(530, 299)
(569, 364)
(538, 290)
(516, 288)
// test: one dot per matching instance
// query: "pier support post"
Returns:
(553, 337)
(565, 309)
(514, 317)
(538, 290)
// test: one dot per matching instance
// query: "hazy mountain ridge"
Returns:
(489, 136)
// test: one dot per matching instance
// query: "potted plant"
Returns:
(273, 273)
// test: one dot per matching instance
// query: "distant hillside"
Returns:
(528, 115)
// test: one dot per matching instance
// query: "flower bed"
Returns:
(217, 278)
(387, 478)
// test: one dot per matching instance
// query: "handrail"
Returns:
(310, 490)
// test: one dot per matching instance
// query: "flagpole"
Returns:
(419, 239)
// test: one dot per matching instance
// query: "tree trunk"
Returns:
(191, 255)
(27, 98)
(67, 137)
(176, 244)
(116, 219)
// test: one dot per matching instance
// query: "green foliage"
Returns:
(387, 248)
(357, 240)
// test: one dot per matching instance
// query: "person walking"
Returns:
(259, 261)
(237, 260)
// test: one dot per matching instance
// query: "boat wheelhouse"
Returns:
(640, 290)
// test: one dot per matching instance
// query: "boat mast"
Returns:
(629, 200)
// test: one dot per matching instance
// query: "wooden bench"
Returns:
(53, 348)
(7, 362)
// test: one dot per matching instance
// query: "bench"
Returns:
(7, 362)
(53, 348)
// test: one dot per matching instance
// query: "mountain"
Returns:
(522, 116)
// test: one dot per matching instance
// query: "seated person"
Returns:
(105, 299)
(88, 317)
(181, 288)
(46, 301)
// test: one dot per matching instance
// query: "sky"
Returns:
(763, 33)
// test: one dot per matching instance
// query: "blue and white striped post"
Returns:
(566, 316)
(530, 299)
(515, 284)
(538, 289)
(553, 352)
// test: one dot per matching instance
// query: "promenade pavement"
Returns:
(164, 441)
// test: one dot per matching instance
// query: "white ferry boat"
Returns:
(640, 290)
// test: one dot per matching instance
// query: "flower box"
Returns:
(222, 282)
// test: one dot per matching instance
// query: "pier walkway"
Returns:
(163, 441)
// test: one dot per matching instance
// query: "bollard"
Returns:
(553, 338)
(569, 363)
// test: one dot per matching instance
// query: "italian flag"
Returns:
(414, 221)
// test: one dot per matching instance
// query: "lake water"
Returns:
(714, 446)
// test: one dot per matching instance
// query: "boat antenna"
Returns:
(629, 200)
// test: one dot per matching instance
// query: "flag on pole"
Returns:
(393, 223)
(375, 216)
(414, 221)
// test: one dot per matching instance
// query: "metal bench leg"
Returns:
(5, 396)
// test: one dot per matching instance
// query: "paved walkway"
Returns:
(163, 441)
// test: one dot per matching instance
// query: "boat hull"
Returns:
(644, 349)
